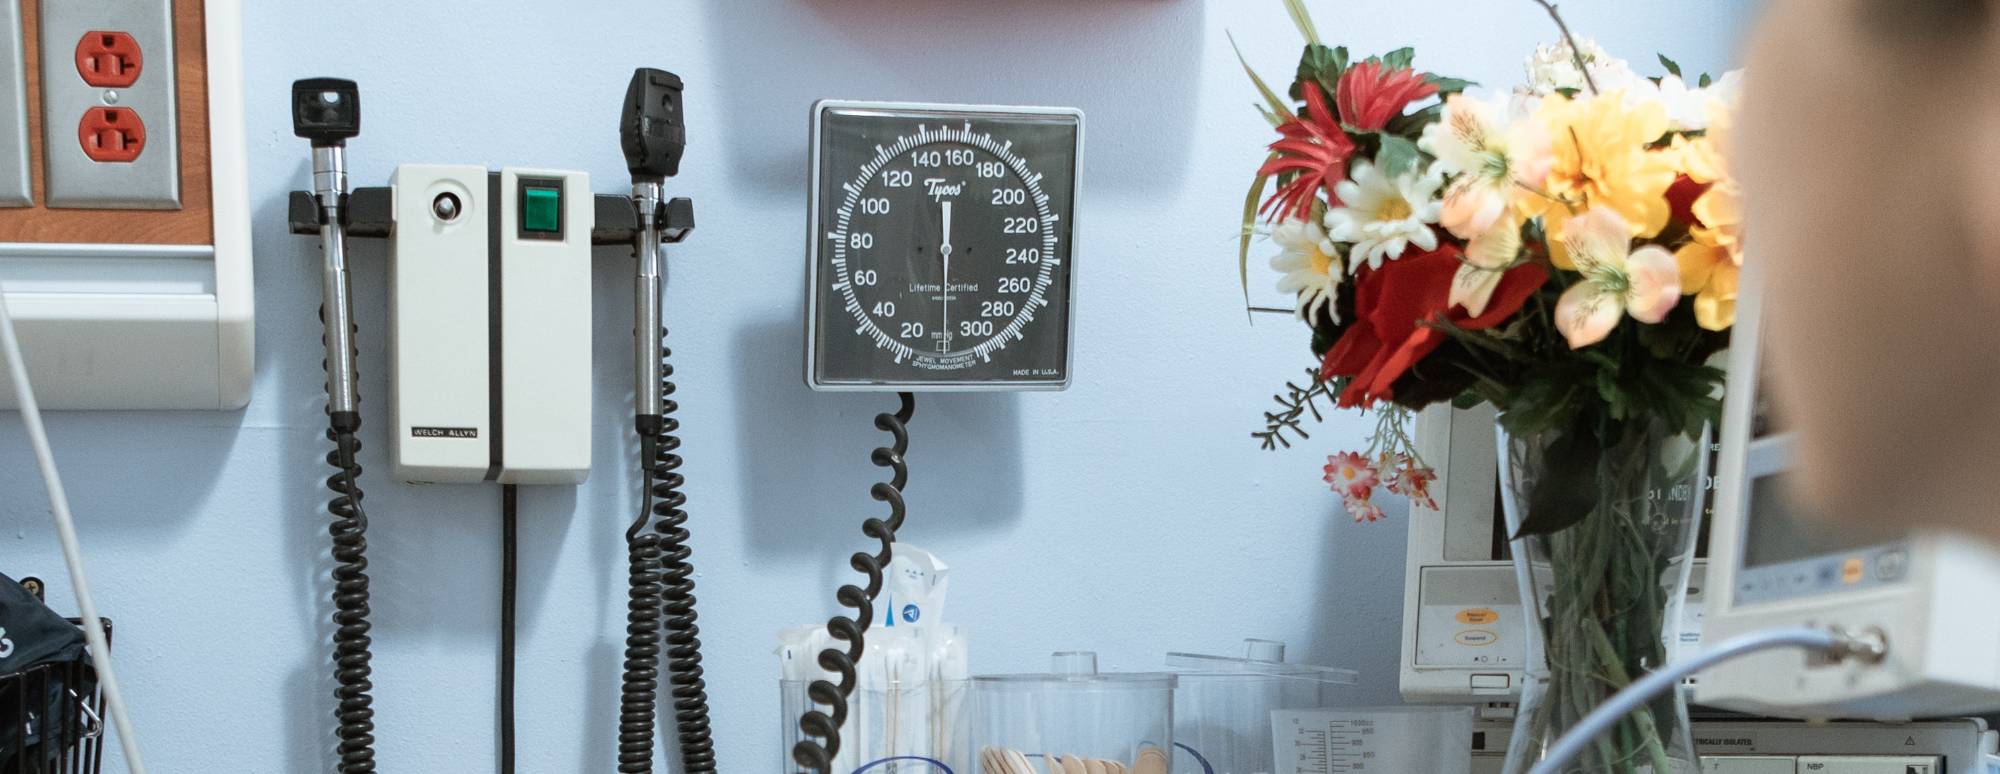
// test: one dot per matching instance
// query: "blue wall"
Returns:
(1132, 514)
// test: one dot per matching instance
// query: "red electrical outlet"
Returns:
(111, 134)
(108, 58)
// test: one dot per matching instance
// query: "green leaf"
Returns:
(1320, 65)
(1543, 401)
(1611, 392)
(1323, 339)
(1705, 80)
(1278, 106)
(1398, 155)
(1467, 400)
(1412, 124)
(1400, 59)
(1671, 65)
(1562, 494)
(1448, 85)
(1250, 230)
(1492, 390)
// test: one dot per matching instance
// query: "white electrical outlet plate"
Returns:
(76, 113)
(124, 326)
(14, 190)
(489, 324)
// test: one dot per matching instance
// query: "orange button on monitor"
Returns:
(1853, 571)
(1477, 616)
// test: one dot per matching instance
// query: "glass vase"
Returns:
(1611, 517)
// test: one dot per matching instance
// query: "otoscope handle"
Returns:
(646, 312)
(327, 111)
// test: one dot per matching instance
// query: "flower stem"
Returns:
(1614, 669)
(1539, 191)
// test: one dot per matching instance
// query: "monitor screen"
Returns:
(1776, 531)
(1789, 555)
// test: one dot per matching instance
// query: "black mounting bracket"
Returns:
(370, 215)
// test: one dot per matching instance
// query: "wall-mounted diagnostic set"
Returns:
(489, 294)
(489, 327)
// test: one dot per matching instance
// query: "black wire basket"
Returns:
(52, 718)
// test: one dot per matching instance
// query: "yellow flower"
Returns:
(1709, 272)
(1720, 208)
(1602, 161)
(1713, 257)
(1703, 158)
(1699, 158)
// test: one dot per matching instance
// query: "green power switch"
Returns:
(541, 210)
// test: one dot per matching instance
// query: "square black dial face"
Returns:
(941, 246)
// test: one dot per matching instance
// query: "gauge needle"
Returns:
(944, 248)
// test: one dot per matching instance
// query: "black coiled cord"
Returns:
(351, 655)
(817, 757)
(661, 598)
(350, 600)
(684, 672)
(642, 638)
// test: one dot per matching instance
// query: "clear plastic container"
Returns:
(1222, 710)
(1074, 719)
(913, 727)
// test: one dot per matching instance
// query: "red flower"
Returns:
(1371, 94)
(1352, 475)
(1316, 150)
(1364, 510)
(1386, 338)
(1681, 196)
(1413, 481)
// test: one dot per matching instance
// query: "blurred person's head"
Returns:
(1869, 153)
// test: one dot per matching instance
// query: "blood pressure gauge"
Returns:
(941, 254)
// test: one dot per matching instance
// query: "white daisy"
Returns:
(1383, 216)
(1310, 265)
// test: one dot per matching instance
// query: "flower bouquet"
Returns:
(1567, 251)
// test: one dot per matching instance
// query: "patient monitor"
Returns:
(1931, 595)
